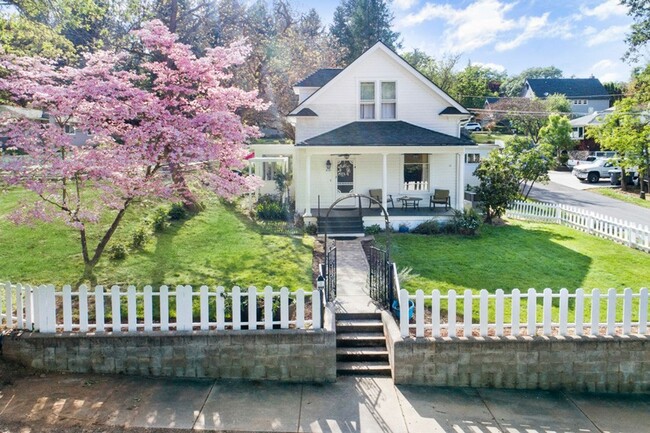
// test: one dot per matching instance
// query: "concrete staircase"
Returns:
(361, 345)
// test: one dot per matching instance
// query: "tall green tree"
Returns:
(531, 163)
(640, 36)
(513, 85)
(359, 24)
(440, 71)
(499, 184)
(472, 85)
(557, 134)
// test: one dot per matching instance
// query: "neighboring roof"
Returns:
(451, 111)
(382, 133)
(595, 118)
(319, 78)
(587, 88)
(305, 112)
(400, 59)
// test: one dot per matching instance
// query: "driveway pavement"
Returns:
(568, 190)
(93, 403)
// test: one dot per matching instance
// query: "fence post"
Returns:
(558, 214)
(404, 314)
(316, 302)
(643, 311)
(46, 309)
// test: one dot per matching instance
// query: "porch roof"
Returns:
(384, 133)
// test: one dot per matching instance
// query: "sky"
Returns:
(581, 37)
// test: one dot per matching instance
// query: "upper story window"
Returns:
(367, 100)
(69, 129)
(472, 158)
(388, 100)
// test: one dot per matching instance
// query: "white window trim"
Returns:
(403, 190)
(378, 100)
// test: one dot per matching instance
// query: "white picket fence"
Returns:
(618, 230)
(530, 313)
(127, 309)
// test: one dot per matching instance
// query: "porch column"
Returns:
(384, 182)
(308, 182)
(460, 189)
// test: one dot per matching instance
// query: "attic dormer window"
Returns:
(367, 100)
(388, 100)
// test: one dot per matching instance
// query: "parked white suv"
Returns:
(594, 171)
(473, 126)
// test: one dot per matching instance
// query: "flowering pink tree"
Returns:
(175, 116)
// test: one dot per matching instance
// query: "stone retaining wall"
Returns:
(587, 363)
(284, 355)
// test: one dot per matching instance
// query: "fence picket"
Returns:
(515, 312)
(147, 302)
(467, 312)
(205, 308)
(20, 320)
(284, 308)
(547, 319)
(8, 306)
(595, 312)
(268, 307)
(29, 307)
(483, 313)
(236, 308)
(419, 312)
(221, 309)
(403, 318)
(532, 312)
(67, 308)
(564, 311)
(115, 310)
(498, 313)
(300, 309)
(164, 308)
(435, 313)
(131, 309)
(643, 311)
(83, 308)
(252, 307)
(611, 311)
(316, 306)
(100, 325)
(580, 311)
(451, 313)
(627, 311)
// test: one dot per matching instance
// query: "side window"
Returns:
(367, 100)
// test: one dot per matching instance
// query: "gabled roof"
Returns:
(451, 111)
(381, 46)
(384, 133)
(492, 99)
(319, 78)
(305, 112)
(595, 118)
(586, 88)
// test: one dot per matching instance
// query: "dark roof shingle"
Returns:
(587, 88)
(319, 78)
(384, 133)
(451, 110)
(305, 112)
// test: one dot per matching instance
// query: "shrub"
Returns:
(118, 251)
(374, 229)
(271, 211)
(311, 229)
(431, 227)
(139, 236)
(159, 220)
(177, 212)
(466, 222)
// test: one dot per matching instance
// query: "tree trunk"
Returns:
(623, 180)
(189, 200)
(529, 189)
(173, 15)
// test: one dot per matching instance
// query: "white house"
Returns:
(378, 124)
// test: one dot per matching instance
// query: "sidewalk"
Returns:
(93, 403)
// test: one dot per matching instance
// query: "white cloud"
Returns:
(605, 10)
(589, 30)
(494, 66)
(485, 22)
(610, 34)
(608, 70)
(404, 4)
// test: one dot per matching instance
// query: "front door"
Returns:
(344, 177)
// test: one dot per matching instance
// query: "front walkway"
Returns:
(111, 404)
(352, 294)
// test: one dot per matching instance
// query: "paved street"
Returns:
(566, 189)
(94, 403)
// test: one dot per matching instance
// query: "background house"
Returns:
(586, 95)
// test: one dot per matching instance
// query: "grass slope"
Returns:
(216, 247)
(628, 197)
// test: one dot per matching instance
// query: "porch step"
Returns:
(363, 369)
(361, 345)
(341, 225)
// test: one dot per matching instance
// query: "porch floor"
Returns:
(423, 211)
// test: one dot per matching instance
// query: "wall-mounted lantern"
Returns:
(328, 165)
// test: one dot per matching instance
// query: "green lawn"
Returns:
(487, 137)
(216, 247)
(629, 197)
(519, 255)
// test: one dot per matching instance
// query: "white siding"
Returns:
(338, 104)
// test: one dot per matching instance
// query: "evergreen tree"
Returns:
(359, 24)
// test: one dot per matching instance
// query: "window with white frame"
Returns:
(388, 100)
(69, 129)
(472, 158)
(416, 172)
(367, 100)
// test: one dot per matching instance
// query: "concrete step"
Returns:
(363, 369)
(361, 339)
(358, 316)
(349, 326)
(362, 354)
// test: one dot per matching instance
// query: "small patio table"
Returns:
(413, 201)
